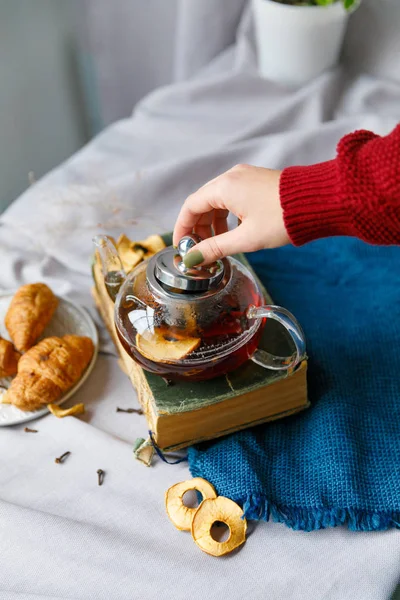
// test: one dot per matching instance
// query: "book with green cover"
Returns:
(187, 412)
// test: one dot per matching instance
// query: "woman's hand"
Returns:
(252, 195)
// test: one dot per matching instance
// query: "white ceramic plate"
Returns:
(68, 319)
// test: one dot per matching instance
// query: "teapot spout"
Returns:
(113, 271)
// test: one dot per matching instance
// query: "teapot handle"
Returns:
(292, 326)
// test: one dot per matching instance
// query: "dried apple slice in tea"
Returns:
(165, 347)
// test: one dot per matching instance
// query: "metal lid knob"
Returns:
(170, 270)
(187, 243)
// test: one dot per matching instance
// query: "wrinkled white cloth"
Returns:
(61, 535)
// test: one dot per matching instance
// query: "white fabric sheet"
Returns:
(62, 536)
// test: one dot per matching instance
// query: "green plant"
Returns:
(348, 4)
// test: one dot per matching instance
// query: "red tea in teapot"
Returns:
(191, 336)
(192, 323)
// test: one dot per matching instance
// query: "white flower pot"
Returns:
(297, 43)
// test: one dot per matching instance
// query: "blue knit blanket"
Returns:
(339, 461)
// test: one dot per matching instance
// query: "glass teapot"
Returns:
(192, 323)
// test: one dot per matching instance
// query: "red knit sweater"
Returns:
(356, 194)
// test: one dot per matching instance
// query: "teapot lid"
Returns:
(170, 271)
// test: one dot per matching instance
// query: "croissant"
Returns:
(48, 370)
(8, 359)
(30, 311)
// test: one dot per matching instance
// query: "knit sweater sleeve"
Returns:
(356, 194)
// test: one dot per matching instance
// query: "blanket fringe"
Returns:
(309, 519)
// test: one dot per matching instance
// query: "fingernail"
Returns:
(193, 258)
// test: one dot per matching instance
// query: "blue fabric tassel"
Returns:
(339, 461)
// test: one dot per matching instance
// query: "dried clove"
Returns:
(100, 475)
(28, 430)
(138, 411)
(61, 458)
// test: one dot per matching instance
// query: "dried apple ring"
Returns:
(225, 511)
(160, 349)
(182, 515)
